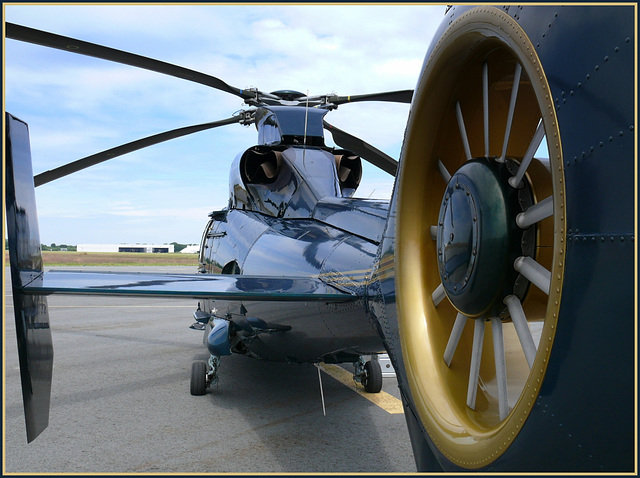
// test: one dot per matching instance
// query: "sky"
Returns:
(76, 105)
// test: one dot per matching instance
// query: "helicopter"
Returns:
(288, 193)
(499, 280)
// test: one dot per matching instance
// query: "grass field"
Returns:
(54, 258)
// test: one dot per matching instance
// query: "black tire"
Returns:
(198, 378)
(372, 380)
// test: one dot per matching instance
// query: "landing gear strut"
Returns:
(369, 374)
(203, 375)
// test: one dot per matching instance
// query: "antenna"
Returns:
(306, 116)
(324, 410)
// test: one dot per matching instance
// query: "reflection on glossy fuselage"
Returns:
(291, 215)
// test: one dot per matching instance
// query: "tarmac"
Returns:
(120, 401)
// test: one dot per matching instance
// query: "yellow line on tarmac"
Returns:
(387, 402)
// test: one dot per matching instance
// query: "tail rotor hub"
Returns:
(478, 237)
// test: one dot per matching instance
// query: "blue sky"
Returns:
(76, 105)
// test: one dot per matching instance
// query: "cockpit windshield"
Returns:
(293, 125)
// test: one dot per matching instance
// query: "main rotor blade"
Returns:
(97, 158)
(402, 96)
(39, 37)
(363, 149)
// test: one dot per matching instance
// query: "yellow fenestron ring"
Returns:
(473, 438)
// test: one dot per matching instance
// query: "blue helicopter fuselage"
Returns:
(291, 214)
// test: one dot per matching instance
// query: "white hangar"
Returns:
(146, 248)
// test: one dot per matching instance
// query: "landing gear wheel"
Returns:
(480, 237)
(372, 380)
(198, 378)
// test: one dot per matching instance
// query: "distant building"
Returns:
(145, 248)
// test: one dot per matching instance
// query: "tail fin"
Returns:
(35, 347)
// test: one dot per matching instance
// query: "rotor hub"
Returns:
(288, 95)
(478, 238)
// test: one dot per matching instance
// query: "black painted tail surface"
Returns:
(35, 347)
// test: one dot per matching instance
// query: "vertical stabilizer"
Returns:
(35, 348)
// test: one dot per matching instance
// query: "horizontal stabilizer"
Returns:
(201, 286)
